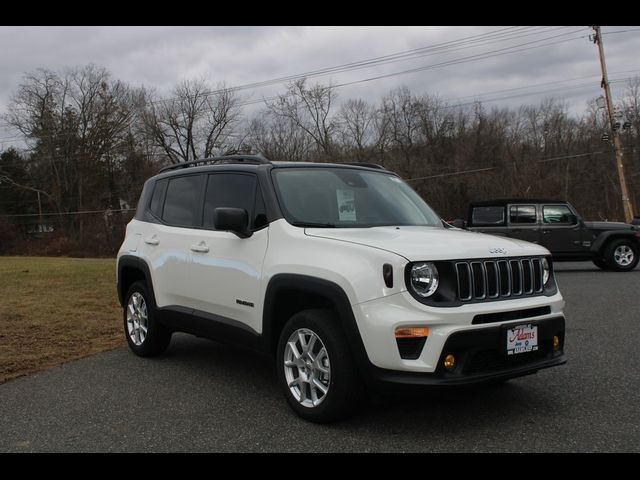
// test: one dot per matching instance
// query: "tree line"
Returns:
(91, 140)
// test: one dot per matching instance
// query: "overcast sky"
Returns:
(498, 65)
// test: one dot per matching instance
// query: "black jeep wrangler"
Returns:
(556, 225)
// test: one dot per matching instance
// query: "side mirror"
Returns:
(572, 219)
(235, 220)
(459, 223)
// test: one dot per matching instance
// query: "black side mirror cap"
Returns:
(459, 223)
(234, 220)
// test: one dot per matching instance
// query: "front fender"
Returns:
(604, 237)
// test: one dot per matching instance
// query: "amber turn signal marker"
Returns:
(556, 343)
(412, 332)
(450, 362)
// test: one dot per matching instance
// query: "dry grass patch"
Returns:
(53, 310)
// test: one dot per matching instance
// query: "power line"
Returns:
(538, 85)
(463, 43)
(472, 58)
(622, 31)
(67, 213)
(450, 174)
(486, 169)
(572, 156)
(483, 56)
(445, 47)
(539, 92)
(461, 60)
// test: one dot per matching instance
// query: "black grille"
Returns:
(510, 315)
(410, 348)
(492, 360)
(492, 279)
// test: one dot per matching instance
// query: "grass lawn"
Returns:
(53, 310)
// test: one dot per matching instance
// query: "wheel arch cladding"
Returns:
(606, 238)
(288, 294)
(132, 269)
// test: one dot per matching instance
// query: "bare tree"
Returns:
(436, 119)
(356, 126)
(309, 108)
(401, 109)
(75, 124)
(279, 138)
(195, 122)
(382, 140)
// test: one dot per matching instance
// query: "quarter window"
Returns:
(488, 216)
(181, 206)
(522, 214)
(158, 196)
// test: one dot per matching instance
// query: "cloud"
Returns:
(159, 57)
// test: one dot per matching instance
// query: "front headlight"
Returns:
(546, 271)
(424, 279)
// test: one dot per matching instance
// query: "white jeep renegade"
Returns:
(340, 271)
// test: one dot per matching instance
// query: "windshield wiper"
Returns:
(313, 225)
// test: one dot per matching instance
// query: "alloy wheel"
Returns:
(307, 368)
(137, 319)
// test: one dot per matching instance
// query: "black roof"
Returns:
(375, 166)
(506, 201)
(248, 162)
(225, 159)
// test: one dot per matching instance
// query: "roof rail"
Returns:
(249, 159)
(365, 164)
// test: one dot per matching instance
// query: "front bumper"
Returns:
(378, 319)
(480, 358)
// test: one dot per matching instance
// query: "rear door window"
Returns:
(522, 214)
(182, 202)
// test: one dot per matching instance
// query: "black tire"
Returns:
(345, 389)
(612, 259)
(600, 263)
(158, 336)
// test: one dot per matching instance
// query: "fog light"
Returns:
(412, 332)
(449, 362)
(556, 343)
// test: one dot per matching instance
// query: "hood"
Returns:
(431, 243)
(608, 226)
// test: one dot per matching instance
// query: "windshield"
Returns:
(349, 198)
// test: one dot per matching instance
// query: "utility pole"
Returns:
(39, 210)
(624, 190)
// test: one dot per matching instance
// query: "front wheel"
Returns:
(145, 335)
(621, 255)
(315, 367)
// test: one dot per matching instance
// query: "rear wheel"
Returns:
(621, 255)
(315, 367)
(145, 336)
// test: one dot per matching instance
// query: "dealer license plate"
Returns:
(522, 339)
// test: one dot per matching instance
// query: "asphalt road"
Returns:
(202, 396)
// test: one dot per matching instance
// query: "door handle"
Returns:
(200, 247)
(153, 240)
(546, 231)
